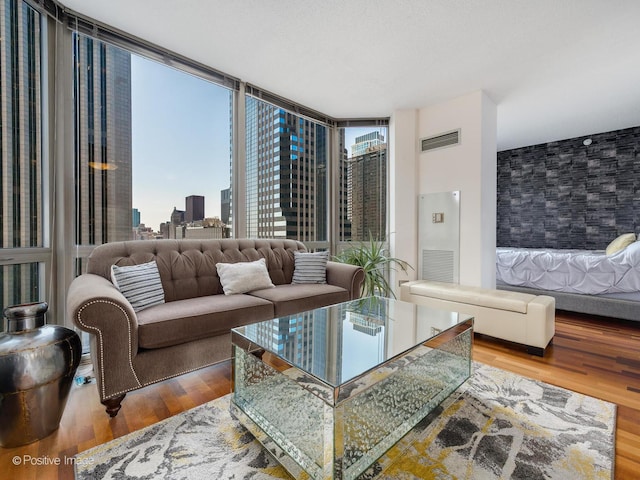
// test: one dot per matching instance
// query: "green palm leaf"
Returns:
(372, 257)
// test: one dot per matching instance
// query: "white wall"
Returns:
(469, 167)
(489, 188)
(403, 187)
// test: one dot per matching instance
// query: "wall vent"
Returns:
(437, 265)
(439, 141)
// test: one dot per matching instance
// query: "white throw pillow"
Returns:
(310, 267)
(243, 277)
(140, 284)
(620, 243)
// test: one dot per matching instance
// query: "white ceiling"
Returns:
(555, 68)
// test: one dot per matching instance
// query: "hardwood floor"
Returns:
(595, 356)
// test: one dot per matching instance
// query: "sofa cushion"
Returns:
(289, 299)
(140, 284)
(242, 277)
(484, 297)
(182, 321)
(310, 267)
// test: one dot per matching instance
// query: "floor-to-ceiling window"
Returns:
(24, 252)
(153, 149)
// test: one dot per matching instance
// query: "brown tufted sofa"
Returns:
(192, 329)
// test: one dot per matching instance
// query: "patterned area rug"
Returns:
(496, 426)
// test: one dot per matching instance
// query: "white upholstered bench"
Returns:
(513, 316)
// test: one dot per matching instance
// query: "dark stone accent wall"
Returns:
(567, 195)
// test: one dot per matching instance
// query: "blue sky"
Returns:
(180, 140)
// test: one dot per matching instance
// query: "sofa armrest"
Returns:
(349, 277)
(97, 306)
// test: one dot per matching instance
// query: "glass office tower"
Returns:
(103, 142)
(286, 174)
(21, 177)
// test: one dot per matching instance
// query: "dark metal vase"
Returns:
(37, 365)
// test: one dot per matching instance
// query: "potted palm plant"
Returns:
(373, 258)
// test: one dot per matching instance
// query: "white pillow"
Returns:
(140, 284)
(244, 277)
(310, 267)
(620, 243)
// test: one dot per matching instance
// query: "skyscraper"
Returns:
(365, 142)
(368, 190)
(194, 210)
(135, 216)
(21, 202)
(286, 179)
(103, 142)
(225, 206)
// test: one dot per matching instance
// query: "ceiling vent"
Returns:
(439, 141)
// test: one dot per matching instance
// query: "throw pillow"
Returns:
(243, 277)
(140, 284)
(310, 267)
(620, 243)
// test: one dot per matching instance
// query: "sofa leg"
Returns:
(113, 404)
(535, 351)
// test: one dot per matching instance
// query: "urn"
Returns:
(37, 365)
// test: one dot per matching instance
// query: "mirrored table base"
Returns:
(340, 438)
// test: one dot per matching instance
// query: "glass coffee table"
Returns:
(330, 390)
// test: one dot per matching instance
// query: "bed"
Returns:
(587, 281)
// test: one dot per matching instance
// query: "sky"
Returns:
(180, 139)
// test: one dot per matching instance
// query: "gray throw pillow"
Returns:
(310, 267)
(140, 284)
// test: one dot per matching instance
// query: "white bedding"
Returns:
(574, 271)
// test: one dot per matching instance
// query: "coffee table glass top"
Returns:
(342, 342)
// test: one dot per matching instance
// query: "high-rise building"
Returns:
(21, 202)
(368, 193)
(365, 142)
(194, 210)
(135, 217)
(103, 142)
(177, 216)
(176, 222)
(286, 180)
(225, 206)
(344, 193)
